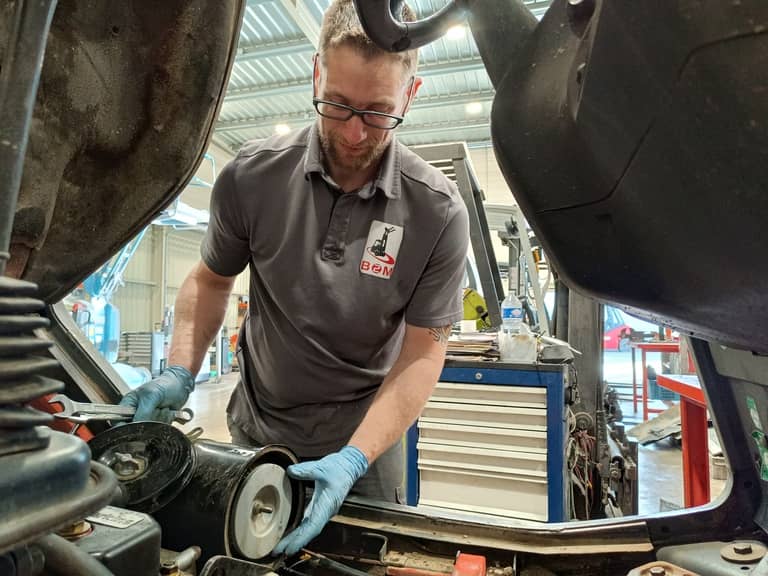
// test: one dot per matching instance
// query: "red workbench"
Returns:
(693, 414)
(646, 347)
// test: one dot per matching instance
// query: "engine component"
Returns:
(469, 565)
(126, 542)
(225, 566)
(660, 569)
(612, 405)
(153, 462)
(25, 560)
(226, 499)
(239, 502)
(739, 557)
(617, 465)
(63, 558)
(743, 552)
(43, 475)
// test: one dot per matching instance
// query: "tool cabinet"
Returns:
(491, 440)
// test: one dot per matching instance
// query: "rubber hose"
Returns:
(63, 558)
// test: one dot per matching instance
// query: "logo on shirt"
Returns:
(381, 248)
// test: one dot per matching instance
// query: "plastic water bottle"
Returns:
(511, 314)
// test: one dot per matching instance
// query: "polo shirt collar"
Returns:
(387, 179)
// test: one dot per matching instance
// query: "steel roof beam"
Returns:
(270, 90)
(309, 113)
(429, 128)
(305, 84)
(440, 127)
(288, 47)
(411, 133)
(300, 13)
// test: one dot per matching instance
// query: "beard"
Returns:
(331, 144)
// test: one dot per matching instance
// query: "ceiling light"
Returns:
(282, 129)
(474, 108)
(456, 32)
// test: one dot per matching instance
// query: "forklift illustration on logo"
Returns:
(379, 247)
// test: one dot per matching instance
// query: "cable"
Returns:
(291, 571)
(325, 562)
(571, 421)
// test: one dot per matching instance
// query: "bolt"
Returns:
(125, 464)
(657, 571)
(259, 508)
(76, 530)
(169, 569)
(478, 375)
(742, 548)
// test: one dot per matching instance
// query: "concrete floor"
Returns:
(660, 464)
(209, 403)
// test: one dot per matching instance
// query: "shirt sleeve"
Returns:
(437, 299)
(225, 248)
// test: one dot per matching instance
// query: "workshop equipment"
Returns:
(491, 440)
(226, 499)
(85, 411)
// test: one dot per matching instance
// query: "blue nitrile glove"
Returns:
(157, 398)
(334, 477)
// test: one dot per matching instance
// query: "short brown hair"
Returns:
(341, 27)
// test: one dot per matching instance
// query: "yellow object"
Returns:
(475, 308)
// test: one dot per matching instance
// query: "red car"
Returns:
(616, 332)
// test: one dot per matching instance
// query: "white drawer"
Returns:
(522, 464)
(498, 494)
(522, 396)
(482, 437)
(510, 417)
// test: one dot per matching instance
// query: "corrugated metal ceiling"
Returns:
(270, 82)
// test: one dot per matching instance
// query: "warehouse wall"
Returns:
(490, 177)
(492, 182)
(140, 288)
(166, 256)
(140, 300)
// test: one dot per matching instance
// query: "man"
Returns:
(356, 249)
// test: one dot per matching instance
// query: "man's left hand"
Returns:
(334, 476)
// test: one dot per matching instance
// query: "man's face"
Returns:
(379, 85)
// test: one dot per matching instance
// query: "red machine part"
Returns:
(469, 565)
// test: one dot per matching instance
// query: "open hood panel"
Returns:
(634, 137)
(128, 96)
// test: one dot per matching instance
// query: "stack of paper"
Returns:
(475, 347)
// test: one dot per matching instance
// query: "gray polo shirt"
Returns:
(334, 277)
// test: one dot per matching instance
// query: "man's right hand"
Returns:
(156, 399)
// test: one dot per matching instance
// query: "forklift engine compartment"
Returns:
(226, 499)
(632, 130)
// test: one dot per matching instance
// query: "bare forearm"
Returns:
(402, 396)
(199, 312)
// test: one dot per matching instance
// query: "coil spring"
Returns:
(22, 361)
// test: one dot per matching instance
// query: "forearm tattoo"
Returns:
(441, 334)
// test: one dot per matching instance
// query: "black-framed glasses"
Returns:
(342, 112)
